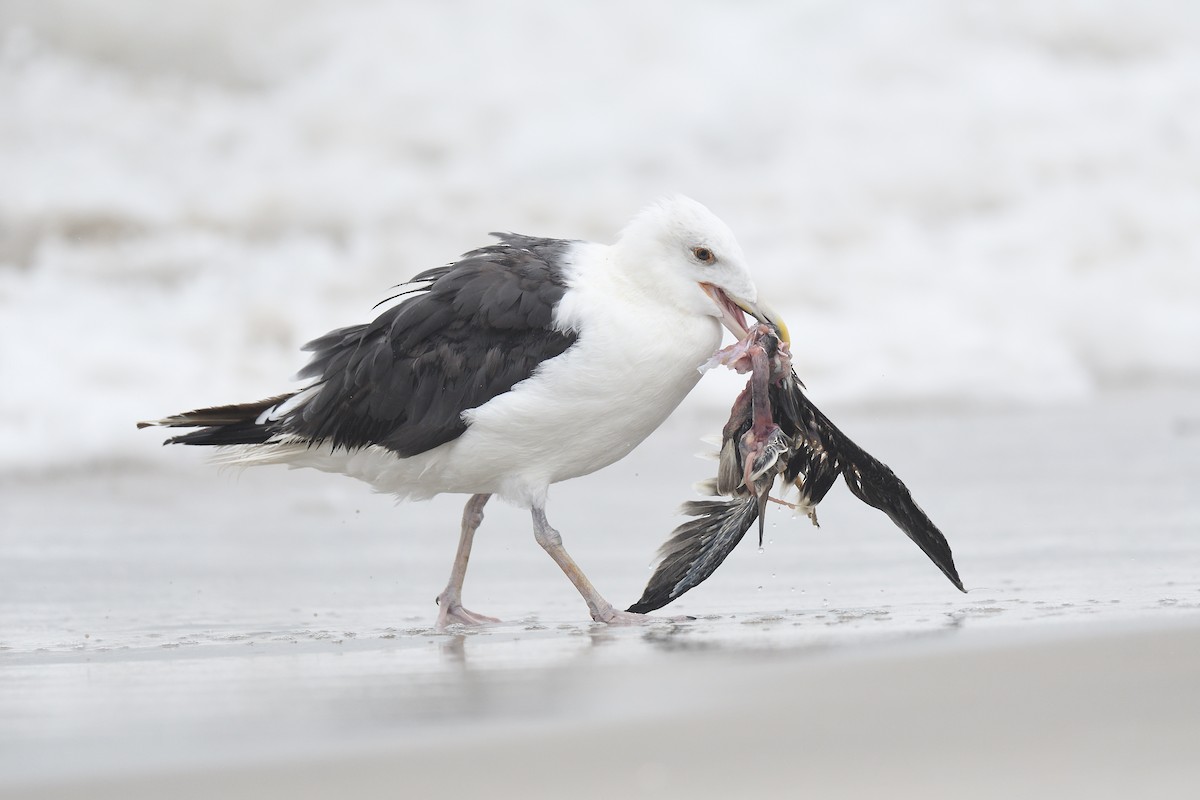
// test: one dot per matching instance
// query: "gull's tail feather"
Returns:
(243, 423)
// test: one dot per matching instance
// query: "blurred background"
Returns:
(953, 203)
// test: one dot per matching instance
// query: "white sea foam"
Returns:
(949, 203)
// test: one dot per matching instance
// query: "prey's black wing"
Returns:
(875, 484)
(696, 548)
(818, 453)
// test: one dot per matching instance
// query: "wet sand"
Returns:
(169, 630)
(1074, 714)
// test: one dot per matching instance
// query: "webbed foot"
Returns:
(451, 611)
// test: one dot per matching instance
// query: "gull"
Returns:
(526, 362)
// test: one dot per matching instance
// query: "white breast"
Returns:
(630, 368)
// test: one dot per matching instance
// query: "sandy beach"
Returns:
(1075, 713)
(186, 632)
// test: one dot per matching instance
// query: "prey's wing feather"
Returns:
(696, 548)
(875, 484)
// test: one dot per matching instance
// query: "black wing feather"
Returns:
(404, 381)
(871, 481)
(480, 326)
(696, 548)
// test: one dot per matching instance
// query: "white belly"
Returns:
(587, 408)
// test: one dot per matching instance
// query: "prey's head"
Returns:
(689, 247)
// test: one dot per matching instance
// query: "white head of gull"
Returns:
(524, 363)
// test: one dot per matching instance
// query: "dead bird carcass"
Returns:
(775, 433)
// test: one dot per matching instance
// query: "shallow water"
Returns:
(164, 613)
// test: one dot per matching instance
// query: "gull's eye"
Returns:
(703, 255)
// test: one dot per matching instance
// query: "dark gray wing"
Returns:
(482, 325)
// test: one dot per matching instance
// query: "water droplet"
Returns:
(761, 549)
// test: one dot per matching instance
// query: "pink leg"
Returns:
(601, 609)
(450, 607)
